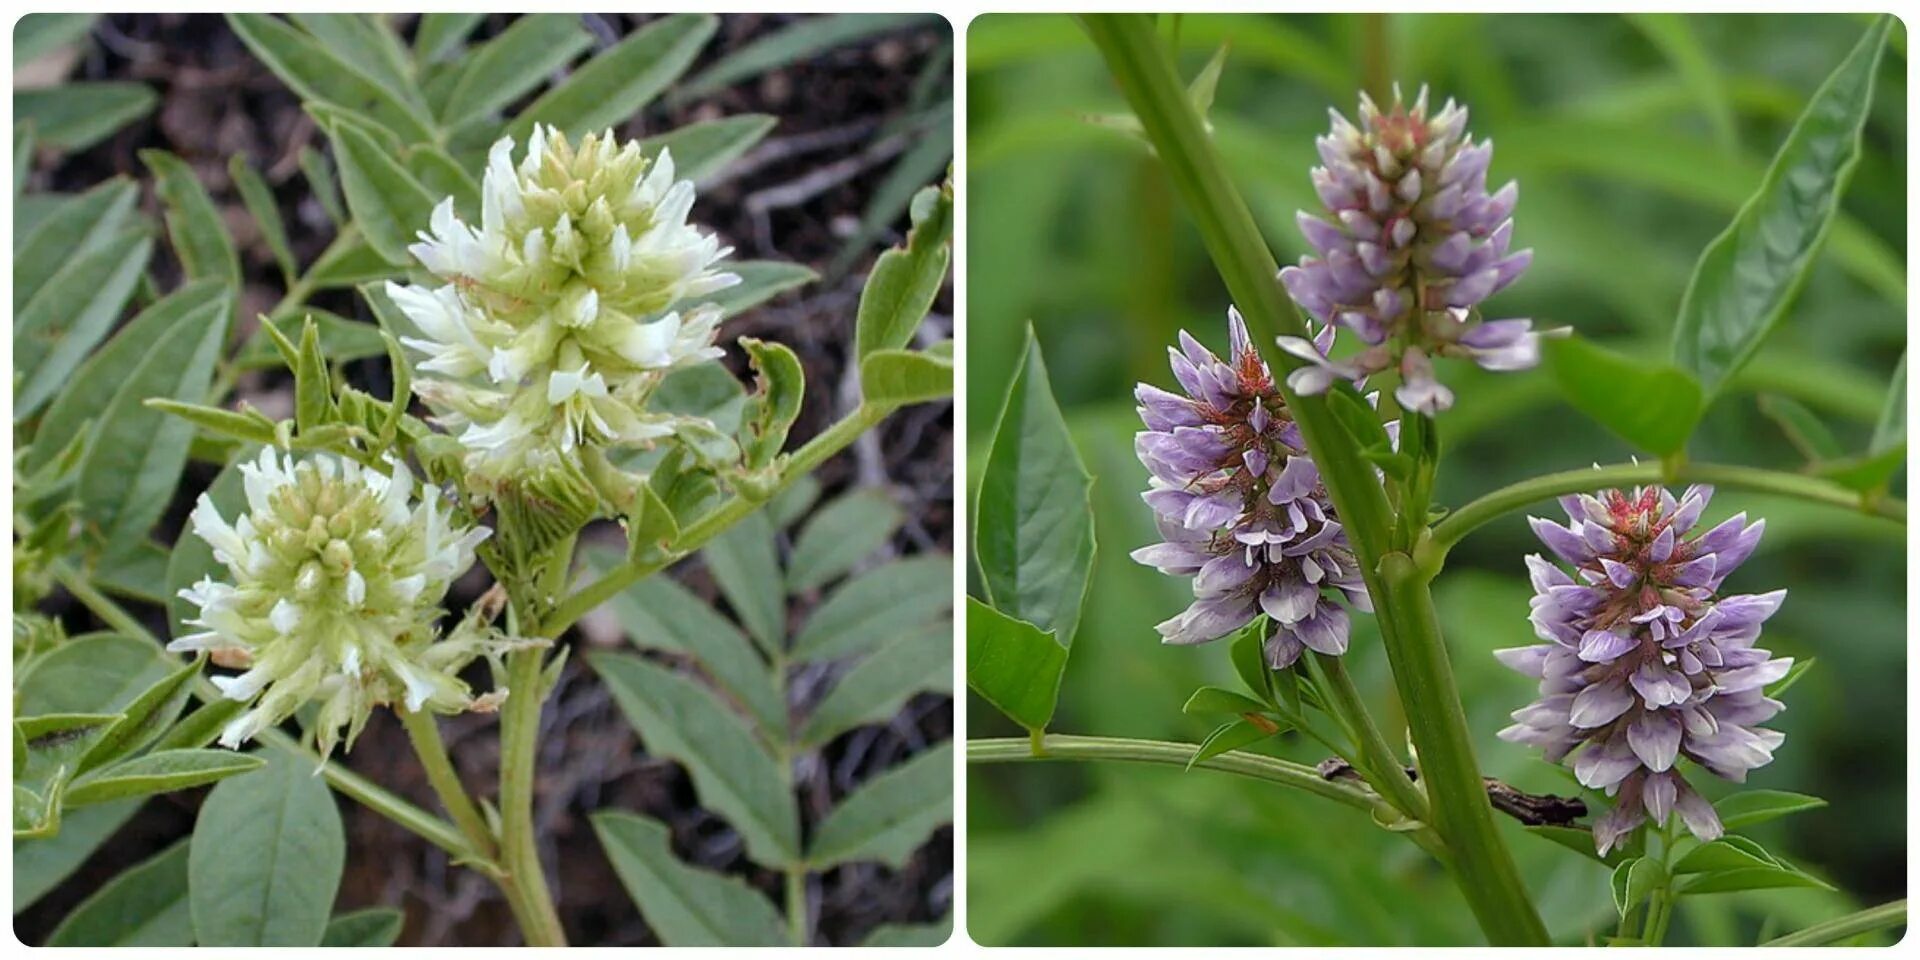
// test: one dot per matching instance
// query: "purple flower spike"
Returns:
(1241, 508)
(1645, 661)
(1410, 245)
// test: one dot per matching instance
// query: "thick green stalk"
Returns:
(1517, 496)
(1461, 812)
(1060, 746)
(525, 884)
(1483, 866)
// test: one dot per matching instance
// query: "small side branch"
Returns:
(1531, 809)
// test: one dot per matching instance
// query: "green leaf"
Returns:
(1846, 928)
(901, 287)
(40, 865)
(779, 385)
(341, 340)
(145, 718)
(906, 376)
(443, 176)
(875, 606)
(312, 385)
(371, 927)
(658, 613)
(1755, 878)
(703, 149)
(75, 116)
(388, 204)
(801, 41)
(743, 562)
(1891, 429)
(316, 73)
(200, 237)
(732, 771)
(1360, 418)
(199, 728)
(890, 816)
(81, 404)
(1748, 807)
(360, 41)
(1727, 853)
(1801, 426)
(1634, 881)
(911, 179)
(760, 281)
(94, 673)
(319, 173)
(349, 265)
(440, 34)
(1794, 673)
(266, 858)
(1013, 664)
(1034, 533)
(877, 687)
(1216, 700)
(617, 84)
(80, 225)
(1652, 406)
(39, 33)
(1866, 473)
(73, 312)
(684, 905)
(1249, 655)
(910, 934)
(1227, 738)
(1748, 276)
(840, 535)
(129, 471)
(787, 506)
(161, 772)
(265, 211)
(512, 64)
(55, 743)
(145, 906)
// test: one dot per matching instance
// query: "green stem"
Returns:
(1484, 869)
(803, 461)
(424, 731)
(1384, 768)
(1513, 497)
(1461, 813)
(797, 904)
(344, 781)
(1060, 746)
(1852, 925)
(525, 884)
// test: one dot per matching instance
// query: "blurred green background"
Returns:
(1635, 139)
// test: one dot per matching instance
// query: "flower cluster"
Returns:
(1241, 507)
(335, 578)
(554, 322)
(1646, 661)
(1414, 244)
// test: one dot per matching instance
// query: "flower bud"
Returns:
(1413, 244)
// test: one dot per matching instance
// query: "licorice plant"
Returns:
(550, 308)
(1292, 482)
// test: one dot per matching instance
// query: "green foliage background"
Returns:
(1635, 140)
